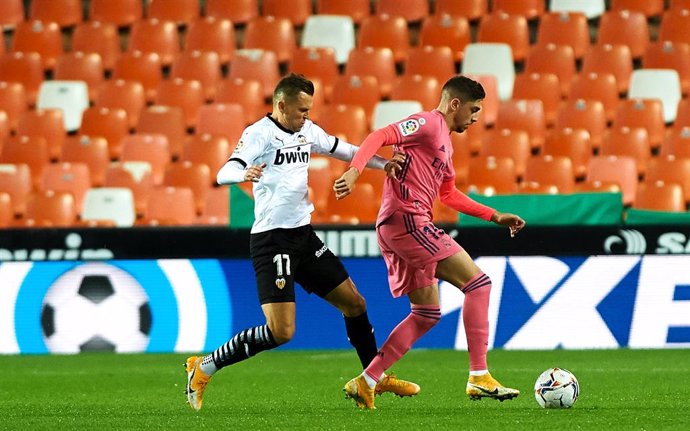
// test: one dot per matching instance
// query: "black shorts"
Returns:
(282, 257)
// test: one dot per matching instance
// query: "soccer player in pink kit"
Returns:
(416, 252)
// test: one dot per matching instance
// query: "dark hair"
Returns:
(464, 88)
(292, 85)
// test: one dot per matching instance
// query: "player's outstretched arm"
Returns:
(514, 222)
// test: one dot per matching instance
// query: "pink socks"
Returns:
(475, 316)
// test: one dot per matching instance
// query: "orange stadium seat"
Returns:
(674, 25)
(360, 207)
(296, 11)
(237, 11)
(65, 13)
(107, 123)
(682, 115)
(187, 95)
(670, 169)
(446, 31)
(257, 64)
(89, 150)
(412, 10)
(12, 13)
(572, 143)
(491, 175)
(596, 86)
(629, 142)
(622, 170)
(151, 148)
(29, 150)
(377, 62)
(596, 186)
(556, 59)
(196, 176)
(99, 38)
(650, 8)
(646, 113)
(212, 150)
(15, 180)
(624, 27)
(680, 4)
(43, 38)
(51, 208)
(508, 143)
(385, 31)
(48, 123)
(491, 99)
(317, 62)
(615, 59)
(171, 205)
(565, 28)
(248, 93)
(436, 61)
(203, 67)
(217, 207)
(551, 170)
(79, 66)
(181, 12)
(357, 90)
(527, 115)
(6, 211)
(154, 36)
(424, 89)
(167, 121)
(660, 196)
(540, 86)
(4, 127)
(13, 102)
(135, 176)
(461, 157)
(670, 55)
(473, 10)
(271, 34)
(126, 95)
(73, 178)
(348, 122)
(500, 27)
(355, 9)
(321, 177)
(141, 67)
(122, 13)
(677, 143)
(211, 34)
(584, 114)
(221, 119)
(530, 9)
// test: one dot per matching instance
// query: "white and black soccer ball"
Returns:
(96, 307)
(556, 388)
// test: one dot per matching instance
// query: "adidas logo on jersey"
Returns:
(291, 157)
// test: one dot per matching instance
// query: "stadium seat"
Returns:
(47, 123)
(500, 27)
(141, 67)
(217, 207)
(89, 150)
(212, 150)
(95, 37)
(677, 143)
(589, 8)
(361, 207)
(527, 115)
(660, 196)
(72, 97)
(165, 120)
(584, 114)
(475, 135)
(211, 34)
(377, 62)
(424, 89)
(12, 13)
(491, 59)
(679, 4)
(596, 186)
(13, 102)
(357, 90)
(530, 9)
(540, 86)
(296, 11)
(135, 176)
(338, 32)
(317, 62)
(79, 66)
(196, 176)
(514, 144)
(669, 55)
(25, 69)
(357, 10)
(615, 59)
(629, 142)
(248, 93)
(412, 11)
(56, 209)
(6, 210)
(555, 59)
(4, 127)
(388, 112)
(120, 94)
(551, 170)
(239, 12)
(321, 178)
(491, 100)
(385, 31)
(181, 12)
(565, 28)
(674, 24)
(461, 157)
(203, 67)
(151, 148)
(621, 170)
(572, 143)
(271, 34)
(29, 150)
(595, 86)
(533, 187)
(43, 38)
(650, 8)
(66, 13)
(221, 119)
(122, 13)
(670, 169)
(107, 123)
(185, 94)
(16, 181)
(257, 64)
(473, 10)
(171, 205)
(446, 31)
(491, 175)
(348, 122)
(436, 61)
(73, 178)
(110, 203)
(646, 113)
(661, 84)
(625, 27)
(154, 36)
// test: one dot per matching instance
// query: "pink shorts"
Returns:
(412, 246)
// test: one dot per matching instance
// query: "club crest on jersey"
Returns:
(408, 127)
(280, 283)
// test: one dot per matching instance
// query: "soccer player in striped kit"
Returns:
(416, 252)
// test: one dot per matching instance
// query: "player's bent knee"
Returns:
(355, 307)
(283, 335)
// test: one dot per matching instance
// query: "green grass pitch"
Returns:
(620, 389)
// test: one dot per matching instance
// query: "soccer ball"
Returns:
(96, 307)
(556, 388)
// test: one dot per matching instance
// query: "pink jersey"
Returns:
(424, 138)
